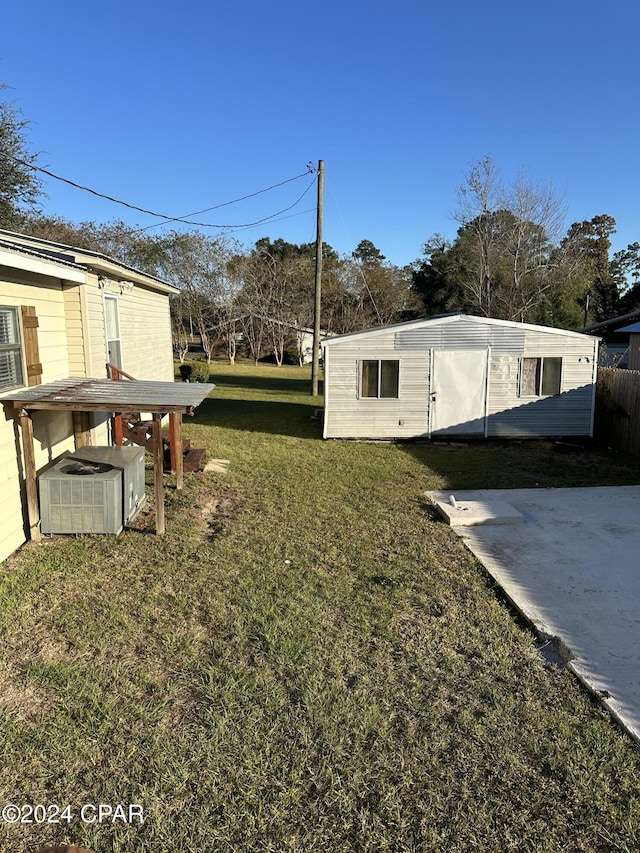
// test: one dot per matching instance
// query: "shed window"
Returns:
(540, 377)
(11, 374)
(379, 378)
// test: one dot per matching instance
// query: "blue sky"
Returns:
(179, 107)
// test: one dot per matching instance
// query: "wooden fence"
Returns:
(617, 416)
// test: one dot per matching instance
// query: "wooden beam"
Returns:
(158, 472)
(172, 443)
(117, 430)
(81, 429)
(177, 456)
(30, 475)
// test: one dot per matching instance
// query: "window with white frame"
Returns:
(540, 377)
(379, 378)
(112, 325)
(11, 372)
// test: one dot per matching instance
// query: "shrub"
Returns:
(200, 371)
(291, 356)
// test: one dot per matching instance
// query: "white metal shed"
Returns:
(457, 375)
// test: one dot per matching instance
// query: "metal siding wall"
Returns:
(462, 334)
(347, 416)
(567, 414)
(508, 415)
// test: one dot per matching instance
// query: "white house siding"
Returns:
(145, 336)
(570, 413)
(94, 307)
(68, 300)
(145, 331)
(53, 433)
(77, 343)
(145, 327)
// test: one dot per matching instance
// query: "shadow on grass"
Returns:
(486, 464)
(275, 418)
(273, 384)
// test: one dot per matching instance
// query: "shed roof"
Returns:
(109, 395)
(447, 319)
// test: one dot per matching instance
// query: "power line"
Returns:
(186, 216)
(282, 218)
(183, 219)
(266, 218)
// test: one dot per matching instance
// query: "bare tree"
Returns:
(179, 328)
(504, 241)
(255, 274)
(479, 197)
(197, 264)
(276, 298)
(538, 217)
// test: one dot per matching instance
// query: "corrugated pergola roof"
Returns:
(109, 395)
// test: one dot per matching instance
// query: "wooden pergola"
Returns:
(82, 395)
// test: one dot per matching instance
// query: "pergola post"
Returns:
(158, 470)
(175, 447)
(118, 438)
(30, 475)
(81, 429)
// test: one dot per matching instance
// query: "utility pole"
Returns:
(315, 364)
(586, 308)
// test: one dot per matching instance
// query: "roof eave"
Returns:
(93, 261)
(14, 259)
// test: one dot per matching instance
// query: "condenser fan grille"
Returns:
(83, 468)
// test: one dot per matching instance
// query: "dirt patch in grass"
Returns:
(218, 511)
(26, 701)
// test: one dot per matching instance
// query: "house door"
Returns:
(457, 403)
(112, 326)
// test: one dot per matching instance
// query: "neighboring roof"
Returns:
(109, 395)
(634, 327)
(612, 324)
(85, 259)
(447, 319)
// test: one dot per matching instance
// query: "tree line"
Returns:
(262, 295)
(509, 260)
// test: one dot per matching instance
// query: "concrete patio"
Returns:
(573, 569)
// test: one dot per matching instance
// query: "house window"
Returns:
(11, 373)
(112, 323)
(379, 378)
(540, 377)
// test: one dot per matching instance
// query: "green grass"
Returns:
(307, 661)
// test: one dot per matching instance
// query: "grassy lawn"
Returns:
(308, 661)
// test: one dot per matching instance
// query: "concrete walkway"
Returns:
(573, 569)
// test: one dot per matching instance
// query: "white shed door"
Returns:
(458, 392)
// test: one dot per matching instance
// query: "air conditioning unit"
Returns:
(94, 490)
